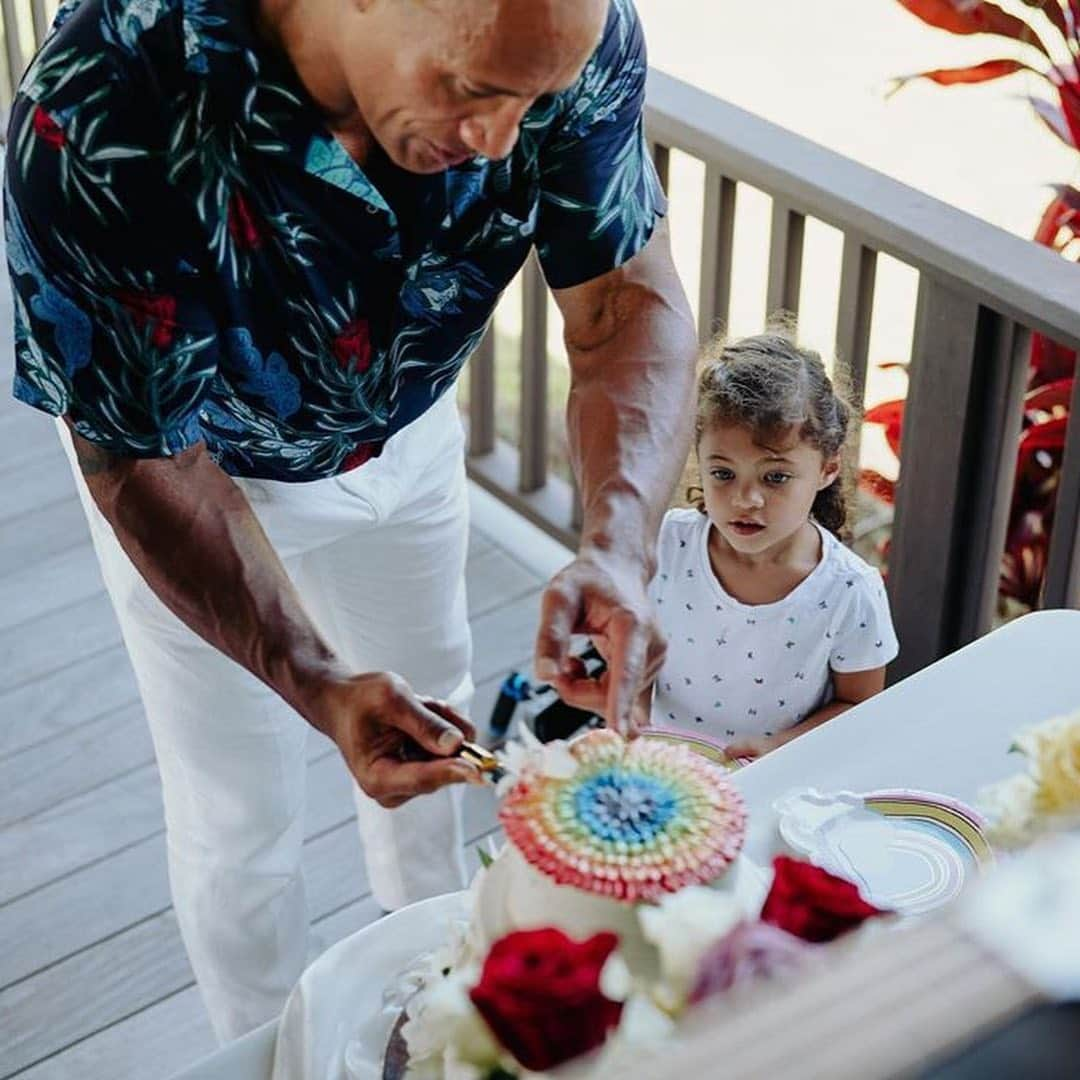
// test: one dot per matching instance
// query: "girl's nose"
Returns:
(749, 496)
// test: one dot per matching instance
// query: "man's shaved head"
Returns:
(437, 81)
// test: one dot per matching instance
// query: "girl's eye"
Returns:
(777, 478)
(721, 474)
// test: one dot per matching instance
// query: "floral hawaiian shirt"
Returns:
(195, 258)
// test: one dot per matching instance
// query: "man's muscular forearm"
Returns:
(191, 534)
(631, 343)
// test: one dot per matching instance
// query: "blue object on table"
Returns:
(515, 689)
(547, 714)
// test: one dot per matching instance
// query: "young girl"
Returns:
(773, 625)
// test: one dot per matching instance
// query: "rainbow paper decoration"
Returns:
(636, 820)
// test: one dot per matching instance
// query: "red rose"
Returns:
(540, 994)
(47, 129)
(154, 310)
(243, 225)
(352, 346)
(813, 904)
(361, 453)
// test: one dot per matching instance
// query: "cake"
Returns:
(633, 822)
(604, 836)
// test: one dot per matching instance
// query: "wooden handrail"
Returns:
(1018, 278)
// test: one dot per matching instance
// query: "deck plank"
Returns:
(25, 436)
(41, 482)
(39, 648)
(41, 533)
(47, 708)
(493, 579)
(92, 754)
(105, 821)
(49, 585)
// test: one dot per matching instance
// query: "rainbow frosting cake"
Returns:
(634, 821)
(600, 826)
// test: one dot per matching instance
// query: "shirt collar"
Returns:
(262, 94)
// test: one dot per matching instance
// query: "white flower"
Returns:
(643, 1024)
(616, 980)
(1048, 794)
(528, 753)
(443, 1017)
(1010, 809)
(1053, 751)
(429, 968)
(683, 926)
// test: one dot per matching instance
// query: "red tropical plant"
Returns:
(1052, 366)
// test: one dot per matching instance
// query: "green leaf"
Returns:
(485, 859)
(117, 153)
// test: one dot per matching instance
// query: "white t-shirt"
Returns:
(746, 670)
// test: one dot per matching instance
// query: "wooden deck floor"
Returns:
(94, 981)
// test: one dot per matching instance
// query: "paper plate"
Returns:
(700, 744)
(909, 851)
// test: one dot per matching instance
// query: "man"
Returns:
(251, 247)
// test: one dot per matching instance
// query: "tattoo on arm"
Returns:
(603, 312)
(93, 460)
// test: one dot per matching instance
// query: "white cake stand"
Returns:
(335, 1023)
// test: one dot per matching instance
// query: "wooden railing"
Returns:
(981, 294)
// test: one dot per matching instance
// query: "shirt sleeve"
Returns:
(600, 197)
(111, 325)
(864, 638)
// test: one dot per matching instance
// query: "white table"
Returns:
(946, 729)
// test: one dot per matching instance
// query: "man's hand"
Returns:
(396, 744)
(603, 597)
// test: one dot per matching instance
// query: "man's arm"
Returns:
(190, 532)
(631, 342)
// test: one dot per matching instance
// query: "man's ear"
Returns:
(830, 470)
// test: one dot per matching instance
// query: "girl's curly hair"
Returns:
(771, 385)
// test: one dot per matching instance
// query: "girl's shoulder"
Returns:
(683, 517)
(849, 580)
(841, 562)
(682, 523)
(680, 539)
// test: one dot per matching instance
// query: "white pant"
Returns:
(378, 556)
